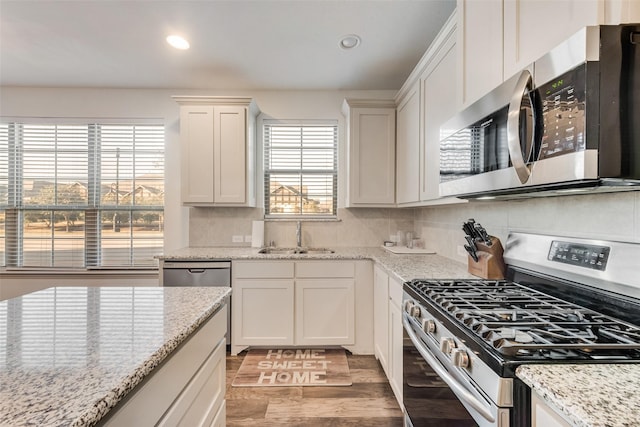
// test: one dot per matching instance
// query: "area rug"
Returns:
(293, 367)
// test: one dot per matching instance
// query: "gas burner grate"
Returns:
(517, 320)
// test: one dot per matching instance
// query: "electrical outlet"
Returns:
(462, 251)
(248, 238)
(236, 238)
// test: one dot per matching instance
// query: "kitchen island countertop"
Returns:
(68, 355)
(588, 395)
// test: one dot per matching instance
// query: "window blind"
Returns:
(300, 170)
(81, 195)
(4, 187)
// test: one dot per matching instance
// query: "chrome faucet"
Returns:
(299, 234)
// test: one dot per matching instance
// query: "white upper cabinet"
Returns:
(371, 130)
(533, 27)
(440, 97)
(408, 147)
(499, 38)
(479, 42)
(217, 137)
(429, 97)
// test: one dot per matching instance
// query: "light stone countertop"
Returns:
(596, 395)
(69, 354)
(404, 267)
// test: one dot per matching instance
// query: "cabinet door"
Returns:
(542, 415)
(440, 103)
(196, 139)
(533, 27)
(325, 312)
(408, 148)
(396, 331)
(381, 317)
(372, 156)
(479, 47)
(230, 147)
(262, 311)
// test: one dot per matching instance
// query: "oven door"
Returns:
(434, 394)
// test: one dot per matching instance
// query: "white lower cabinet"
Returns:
(388, 327)
(187, 389)
(396, 331)
(262, 312)
(381, 317)
(543, 415)
(296, 303)
(325, 312)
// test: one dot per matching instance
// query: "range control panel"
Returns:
(581, 255)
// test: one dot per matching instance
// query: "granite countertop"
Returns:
(596, 395)
(403, 266)
(588, 395)
(70, 354)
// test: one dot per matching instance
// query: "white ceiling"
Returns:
(235, 44)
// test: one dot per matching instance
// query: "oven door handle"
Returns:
(456, 387)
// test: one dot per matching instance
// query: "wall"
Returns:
(613, 216)
(207, 226)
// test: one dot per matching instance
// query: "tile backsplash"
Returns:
(354, 227)
(614, 216)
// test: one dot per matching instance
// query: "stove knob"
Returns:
(459, 358)
(415, 311)
(408, 305)
(429, 326)
(447, 345)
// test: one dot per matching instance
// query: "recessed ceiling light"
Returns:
(349, 41)
(178, 42)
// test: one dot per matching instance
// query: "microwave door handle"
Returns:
(456, 387)
(513, 126)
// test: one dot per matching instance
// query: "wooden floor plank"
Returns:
(333, 408)
(369, 390)
(319, 422)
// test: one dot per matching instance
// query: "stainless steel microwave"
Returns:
(569, 122)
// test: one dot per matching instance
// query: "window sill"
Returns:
(86, 272)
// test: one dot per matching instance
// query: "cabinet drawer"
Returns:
(395, 291)
(324, 269)
(262, 269)
(200, 401)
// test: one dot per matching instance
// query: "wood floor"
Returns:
(368, 402)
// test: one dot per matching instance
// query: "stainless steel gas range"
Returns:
(565, 300)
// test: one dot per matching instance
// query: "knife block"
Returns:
(490, 263)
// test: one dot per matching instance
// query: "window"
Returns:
(300, 169)
(81, 195)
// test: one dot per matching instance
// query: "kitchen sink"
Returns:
(277, 251)
(316, 251)
(293, 251)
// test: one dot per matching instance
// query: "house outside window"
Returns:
(81, 195)
(300, 169)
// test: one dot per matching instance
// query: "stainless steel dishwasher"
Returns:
(199, 273)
